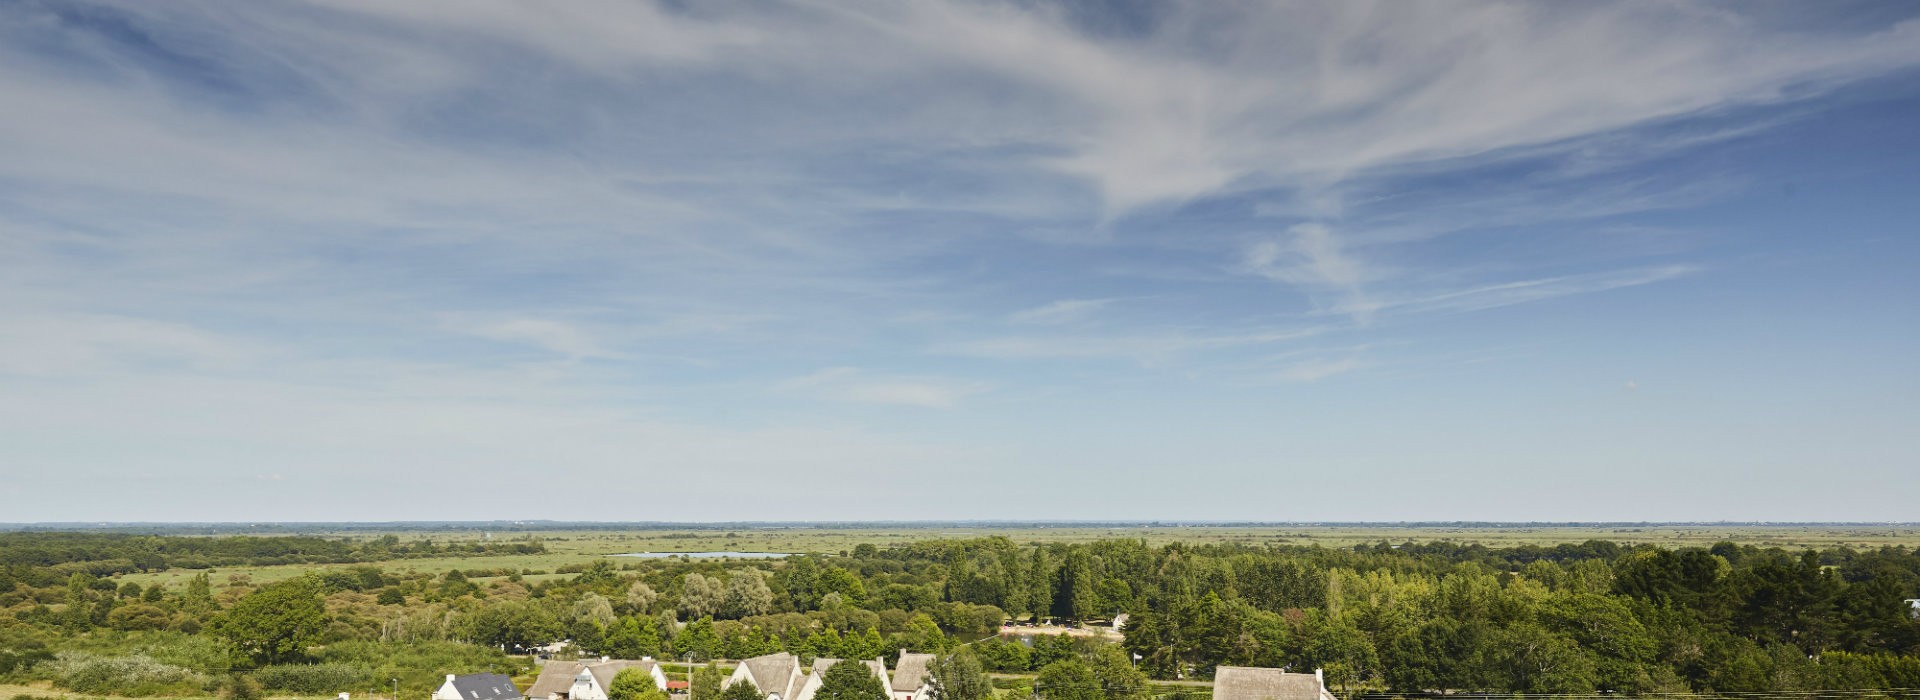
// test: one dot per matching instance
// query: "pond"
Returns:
(707, 555)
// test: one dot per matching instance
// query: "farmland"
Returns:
(574, 547)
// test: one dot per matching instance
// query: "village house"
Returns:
(1244, 683)
(910, 676)
(776, 676)
(477, 686)
(588, 680)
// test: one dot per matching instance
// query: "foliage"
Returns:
(1067, 679)
(419, 664)
(1001, 656)
(850, 680)
(959, 676)
(120, 675)
(274, 623)
(21, 655)
(1412, 617)
(634, 684)
(312, 679)
(741, 691)
(240, 687)
(708, 683)
(104, 554)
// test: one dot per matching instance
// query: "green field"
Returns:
(582, 546)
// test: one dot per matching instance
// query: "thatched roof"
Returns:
(557, 676)
(604, 671)
(775, 673)
(911, 672)
(1243, 683)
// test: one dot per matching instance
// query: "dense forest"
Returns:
(1408, 618)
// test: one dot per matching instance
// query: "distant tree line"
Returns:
(36, 558)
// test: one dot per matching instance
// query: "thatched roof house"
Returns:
(1245, 683)
(910, 676)
(588, 680)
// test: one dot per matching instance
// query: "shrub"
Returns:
(314, 679)
(240, 688)
(420, 664)
(23, 658)
(121, 675)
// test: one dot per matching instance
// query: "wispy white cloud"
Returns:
(1144, 348)
(558, 337)
(1061, 311)
(1318, 369)
(1522, 291)
(854, 385)
(1310, 255)
(83, 343)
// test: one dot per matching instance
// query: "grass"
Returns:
(565, 547)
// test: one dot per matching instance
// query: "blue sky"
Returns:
(346, 259)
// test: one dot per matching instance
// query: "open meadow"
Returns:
(575, 547)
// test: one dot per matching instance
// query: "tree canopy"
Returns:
(634, 684)
(959, 676)
(850, 679)
(274, 623)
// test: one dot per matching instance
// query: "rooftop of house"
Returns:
(775, 673)
(484, 686)
(558, 676)
(911, 671)
(1246, 683)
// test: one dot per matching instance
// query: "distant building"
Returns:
(910, 676)
(588, 680)
(1120, 622)
(1244, 683)
(812, 684)
(776, 676)
(477, 686)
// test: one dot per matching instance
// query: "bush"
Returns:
(314, 679)
(240, 688)
(121, 675)
(23, 658)
(420, 664)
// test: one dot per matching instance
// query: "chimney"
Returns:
(449, 678)
(605, 659)
(1319, 677)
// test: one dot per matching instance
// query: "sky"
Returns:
(327, 260)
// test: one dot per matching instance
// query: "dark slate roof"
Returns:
(485, 686)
